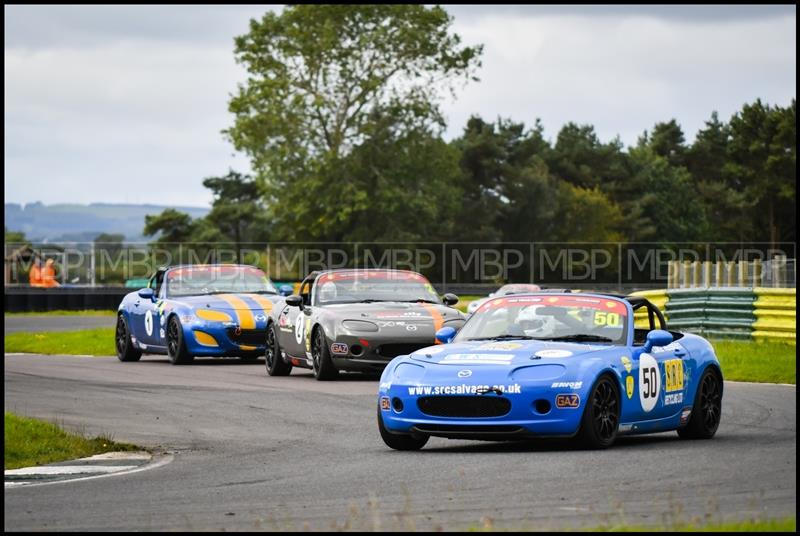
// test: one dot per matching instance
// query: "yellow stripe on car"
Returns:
(214, 316)
(246, 348)
(204, 338)
(262, 301)
(242, 310)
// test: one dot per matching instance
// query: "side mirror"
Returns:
(295, 300)
(445, 335)
(285, 290)
(146, 293)
(450, 299)
(657, 337)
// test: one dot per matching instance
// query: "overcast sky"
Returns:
(125, 104)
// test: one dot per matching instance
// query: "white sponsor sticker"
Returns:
(675, 398)
(555, 354)
(649, 382)
(568, 385)
(500, 346)
(479, 359)
(148, 322)
(161, 333)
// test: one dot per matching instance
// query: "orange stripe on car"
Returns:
(243, 312)
(438, 319)
(262, 301)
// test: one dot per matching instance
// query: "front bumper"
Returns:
(219, 340)
(525, 417)
(372, 354)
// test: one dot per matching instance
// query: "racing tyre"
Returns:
(176, 346)
(600, 421)
(707, 409)
(321, 357)
(276, 366)
(123, 342)
(400, 441)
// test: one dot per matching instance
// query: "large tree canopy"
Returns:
(319, 73)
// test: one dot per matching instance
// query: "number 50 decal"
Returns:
(649, 382)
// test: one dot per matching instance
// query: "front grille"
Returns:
(396, 349)
(248, 337)
(480, 406)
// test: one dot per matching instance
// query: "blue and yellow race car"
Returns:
(201, 310)
(553, 365)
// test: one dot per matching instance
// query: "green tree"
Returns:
(667, 140)
(507, 190)
(722, 195)
(172, 227)
(320, 77)
(14, 237)
(237, 211)
(671, 210)
(762, 157)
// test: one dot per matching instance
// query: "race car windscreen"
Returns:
(556, 318)
(199, 280)
(374, 286)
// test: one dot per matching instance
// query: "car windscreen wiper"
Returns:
(260, 292)
(419, 300)
(501, 337)
(368, 300)
(582, 337)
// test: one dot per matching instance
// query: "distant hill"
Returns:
(66, 222)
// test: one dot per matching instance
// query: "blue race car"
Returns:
(553, 365)
(202, 310)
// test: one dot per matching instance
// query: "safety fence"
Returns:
(728, 312)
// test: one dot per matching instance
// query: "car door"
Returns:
(293, 323)
(662, 378)
(143, 315)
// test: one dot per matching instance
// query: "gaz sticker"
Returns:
(339, 348)
(673, 374)
(569, 400)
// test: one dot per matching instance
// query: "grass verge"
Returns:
(769, 525)
(96, 341)
(771, 362)
(30, 442)
(85, 312)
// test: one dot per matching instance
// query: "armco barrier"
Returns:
(716, 312)
(775, 317)
(24, 299)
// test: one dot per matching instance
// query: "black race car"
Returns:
(356, 320)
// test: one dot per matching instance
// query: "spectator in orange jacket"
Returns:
(35, 274)
(49, 275)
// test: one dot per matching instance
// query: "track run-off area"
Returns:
(291, 453)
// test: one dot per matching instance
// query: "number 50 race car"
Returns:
(543, 365)
(188, 311)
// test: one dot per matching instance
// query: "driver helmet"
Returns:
(328, 291)
(531, 322)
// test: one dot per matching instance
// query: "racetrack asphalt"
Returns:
(14, 323)
(253, 452)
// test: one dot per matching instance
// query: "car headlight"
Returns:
(359, 325)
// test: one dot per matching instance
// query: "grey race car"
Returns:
(355, 320)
